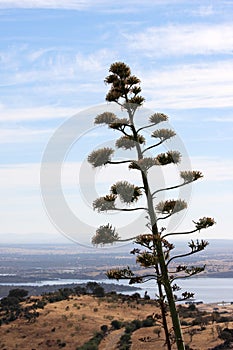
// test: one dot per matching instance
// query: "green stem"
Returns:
(171, 301)
(159, 249)
(163, 310)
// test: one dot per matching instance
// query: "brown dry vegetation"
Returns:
(70, 323)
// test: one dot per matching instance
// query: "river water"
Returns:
(208, 290)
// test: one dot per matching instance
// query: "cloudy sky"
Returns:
(54, 57)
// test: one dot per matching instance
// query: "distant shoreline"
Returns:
(39, 290)
(11, 279)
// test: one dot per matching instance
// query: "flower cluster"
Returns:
(190, 176)
(143, 164)
(100, 157)
(127, 192)
(171, 206)
(129, 142)
(145, 240)
(123, 84)
(198, 245)
(163, 134)
(120, 273)
(146, 259)
(119, 123)
(157, 118)
(104, 203)
(168, 158)
(105, 234)
(105, 118)
(204, 223)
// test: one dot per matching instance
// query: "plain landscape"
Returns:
(72, 316)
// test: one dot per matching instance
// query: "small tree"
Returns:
(155, 252)
(18, 293)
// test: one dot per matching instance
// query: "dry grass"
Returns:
(70, 323)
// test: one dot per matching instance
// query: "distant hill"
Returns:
(85, 322)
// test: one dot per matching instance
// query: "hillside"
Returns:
(73, 321)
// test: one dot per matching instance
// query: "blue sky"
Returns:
(54, 56)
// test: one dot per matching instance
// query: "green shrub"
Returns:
(116, 324)
(18, 293)
(125, 341)
(130, 328)
(192, 307)
(148, 322)
(137, 323)
(93, 343)
(104, 328)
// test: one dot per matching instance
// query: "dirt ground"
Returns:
(70, 323)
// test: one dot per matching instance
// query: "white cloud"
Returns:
(205, 11)
(95, 62)
(28, 175)
(81, 4)
(207, 85)
(179, 40)
(19, 176)
(35, 55)
(22, 135)
(72, 4)
(21, 197)
(23, 65)
(214, 169)
(35, 113)
(223, 119)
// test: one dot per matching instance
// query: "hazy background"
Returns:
(54, 56)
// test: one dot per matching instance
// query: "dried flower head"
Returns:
(120, 273)
(104, 203)
(105, 234)
(143, 164)
(168, 158)
(171, 206)
(127, 192)
(157, 118)
(100, 157)
(129, 142)
(119, 123)
(105, 118)
(190, 176)
(146, 259)
(163, 134)
(204, 223)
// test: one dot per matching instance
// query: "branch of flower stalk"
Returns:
(171, 188)
(179, 256)
(182, 256)
(166, 217)
(186, 276)
(132, 209)
(145, 245)
(145, 127)
(157, 144)
(202, 224)
(186, 295)
(126, 239)
(180, 233)
(149, 279)
(123, 132)
(118, 162)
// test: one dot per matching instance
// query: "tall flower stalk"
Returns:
(154, 253)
